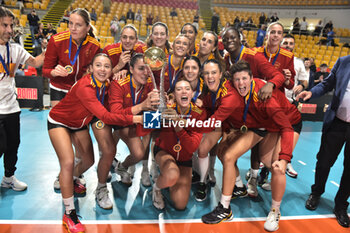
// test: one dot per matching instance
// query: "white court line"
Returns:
(302, 162)
(333, 182)
(103, 222)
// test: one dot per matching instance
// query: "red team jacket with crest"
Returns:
(189, 138)
(223, 104)
(284, 60)
(275, 114)
(57, 54)
(115, 50)
(80, 105)
(120, 100)
(260, 67)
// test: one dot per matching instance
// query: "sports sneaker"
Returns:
(131, 171)
(201, 193)
(157, 199)
(13, 183)
(290, 171)
(124, 174)
(82, 180)
(219, 214)
(252, 187)
(247, 175)
(195, 177)
(145, 179)
(114, 163)
(211, 176)
(154, 170)
(56, 183)
(239, 192)
(264, 176)
(266, 186)
(272, 220)
(72, 223)
(109, 176)
(102, 198)
(79, 188)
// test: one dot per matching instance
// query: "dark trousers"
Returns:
(9, 142)
(331, 144)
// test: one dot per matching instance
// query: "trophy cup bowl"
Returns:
(155, 57)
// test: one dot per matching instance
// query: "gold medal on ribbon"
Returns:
(99, 124)
(244, 129)
(177, 147)
(69, 69)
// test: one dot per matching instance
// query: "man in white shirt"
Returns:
(11, 56)
(303, 26)
(300, 83)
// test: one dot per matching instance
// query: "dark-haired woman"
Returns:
(159, 37)
(133, 95)
(67, 122)
(175, 146)
(191, 32)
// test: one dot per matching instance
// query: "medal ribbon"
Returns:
(98, 93)
(213, 98)
(171, 81)
(247, 105)
(132, 90)
(275, 58)
(188, 113)
(194, 99)
(70, 50)
(6, 66)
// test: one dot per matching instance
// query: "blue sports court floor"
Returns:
(40, 204)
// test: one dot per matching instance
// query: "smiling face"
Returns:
(78, 27)
(159, 36)
(139, 72)
(275, 35)
(6, 29)
(190, 33)
(212, 76)
(191, 70)
(183, 94)
(231, 41)
(207, 44)
(102, 68)
(128, 39)
(288, 43)
(181, 46)
(242, 81)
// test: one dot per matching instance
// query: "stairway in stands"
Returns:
(205, 12)
(53, 16)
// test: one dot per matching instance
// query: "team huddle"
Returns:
(108, 91)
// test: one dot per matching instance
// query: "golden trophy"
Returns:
(156, 59)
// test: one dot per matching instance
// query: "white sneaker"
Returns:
(154, 171)
(131, 171)
(266, 186)
(211, 176)
(13, 183)
(157, 199)
(272, 221)
(56, 183)
(124, 174)
(102, 198)
(247, 175)
(252, 187)
(145, 179)
(290, 171)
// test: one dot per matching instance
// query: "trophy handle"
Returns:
(152, 76)
(162, 105)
